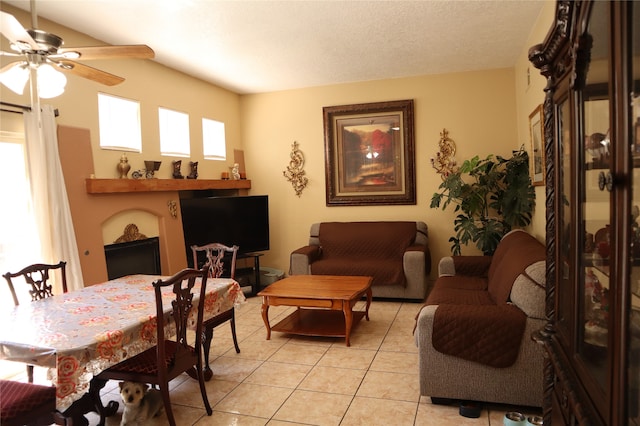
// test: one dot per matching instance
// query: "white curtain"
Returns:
(49, 194)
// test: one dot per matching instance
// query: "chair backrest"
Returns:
(215, 253)
(184, 315)
(37, 275)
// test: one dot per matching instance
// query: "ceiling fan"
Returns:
(43, 52)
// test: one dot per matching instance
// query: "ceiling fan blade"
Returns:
(91, 73)
(9, 54)
(15, 32)
(139, 51)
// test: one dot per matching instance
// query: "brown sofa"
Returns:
(474, 332)
(395, 254)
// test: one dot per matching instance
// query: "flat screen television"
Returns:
(237, 220)
(134, 257)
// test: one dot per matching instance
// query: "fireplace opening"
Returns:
(133, 257)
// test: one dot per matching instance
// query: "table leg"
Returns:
(369, 297)
(91, 402)
(348, 321)
(265, 318)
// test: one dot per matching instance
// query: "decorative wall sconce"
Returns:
(130, 233)
(295, 173)
(444, 161)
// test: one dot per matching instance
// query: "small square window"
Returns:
(213, 140)
(174, 133)
(119, 123)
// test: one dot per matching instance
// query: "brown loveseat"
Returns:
(395, 254)
(474, 332)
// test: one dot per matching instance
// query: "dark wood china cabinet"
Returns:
(591, 60)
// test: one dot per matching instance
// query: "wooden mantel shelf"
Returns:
(108, 186)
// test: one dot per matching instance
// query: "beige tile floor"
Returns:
(294, 380)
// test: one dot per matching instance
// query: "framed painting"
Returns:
(536, 132)
(369, 154)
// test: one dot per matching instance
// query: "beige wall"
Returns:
(477, 108)
(485, 112)
(529, 94)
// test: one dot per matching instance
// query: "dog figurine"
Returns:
(140, 403)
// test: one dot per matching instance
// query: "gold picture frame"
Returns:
(536, 134)
(369, 154)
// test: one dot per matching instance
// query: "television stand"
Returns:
(255, 285)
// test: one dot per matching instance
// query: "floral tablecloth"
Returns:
(81, 333)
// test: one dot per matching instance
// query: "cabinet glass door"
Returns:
(595, 207)
(634, 320)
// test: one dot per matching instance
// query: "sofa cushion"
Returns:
(365, 248)
(472, 265)
(383, 271)
(516, 251)
(366, 240)
(459, 290)
(462, 282)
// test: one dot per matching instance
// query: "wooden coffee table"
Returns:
(331, 299)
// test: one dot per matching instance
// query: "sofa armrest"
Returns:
(446, 268)
(423, 329)
(445, 376)
(416, 263)
(529, 297)
(424, 252)
(464, 265)
(302, 258)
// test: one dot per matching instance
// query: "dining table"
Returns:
(77, 335)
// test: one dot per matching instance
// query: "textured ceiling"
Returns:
(263, 46)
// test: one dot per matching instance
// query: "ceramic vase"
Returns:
(123, 167)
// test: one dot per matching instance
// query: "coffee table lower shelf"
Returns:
(316, 322)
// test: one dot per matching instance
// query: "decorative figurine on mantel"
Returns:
(151, 167)
(123, 166)
(177, 174)
(194, 170)
(235, 171)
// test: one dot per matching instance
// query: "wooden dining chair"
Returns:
(26, 403)
(172, 356)
(214, 256)
(38, 277)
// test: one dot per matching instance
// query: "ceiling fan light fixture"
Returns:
(42, 49)
(51, 82)
(47, 42)
(20, 46)
(15, 78)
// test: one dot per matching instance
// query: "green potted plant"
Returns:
(492, 197)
